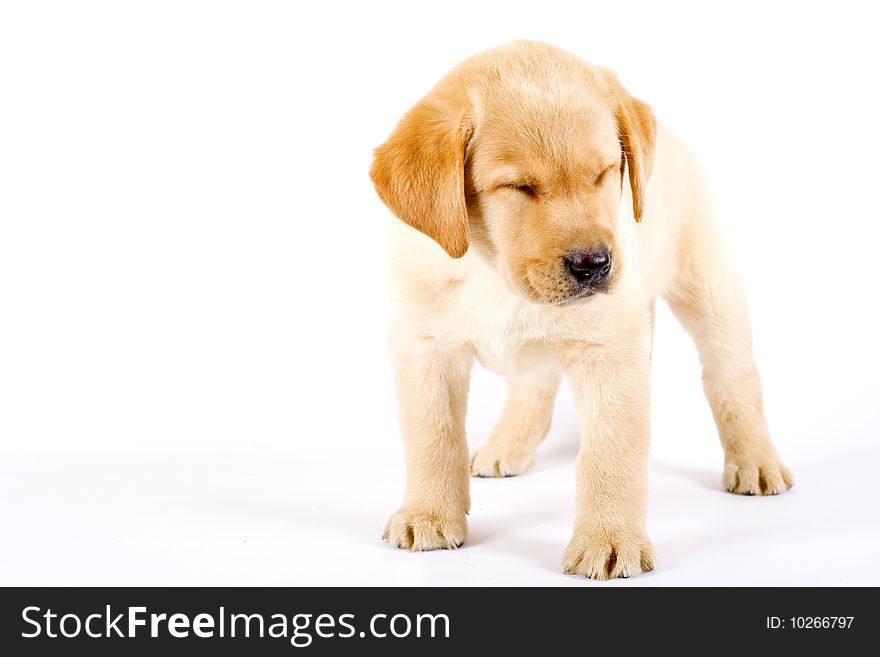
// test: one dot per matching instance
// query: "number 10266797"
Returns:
(810, 622)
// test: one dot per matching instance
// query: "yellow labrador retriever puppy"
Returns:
(543, 211)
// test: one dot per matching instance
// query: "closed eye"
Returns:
(602, 176)
(525, 188)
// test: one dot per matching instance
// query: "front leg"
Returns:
(611, 387)
(432, 385)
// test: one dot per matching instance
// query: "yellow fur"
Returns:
(519, 155)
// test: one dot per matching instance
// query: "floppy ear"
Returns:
(419, 171)
(637, 129)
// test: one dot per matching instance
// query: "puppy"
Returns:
(543, 210)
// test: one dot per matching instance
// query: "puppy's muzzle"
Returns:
(589, 268)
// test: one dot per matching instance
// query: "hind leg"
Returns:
(511, 447)
(708, 300)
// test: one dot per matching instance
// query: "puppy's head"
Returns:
(521, 154)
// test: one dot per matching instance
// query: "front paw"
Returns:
(748, 476)
(491, 461)
(419, 532)
(598, 555)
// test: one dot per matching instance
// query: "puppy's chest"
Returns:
(509, 335)
(512, 359)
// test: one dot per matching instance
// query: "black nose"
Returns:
(589, 267)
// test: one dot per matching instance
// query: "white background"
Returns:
(193, 378)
